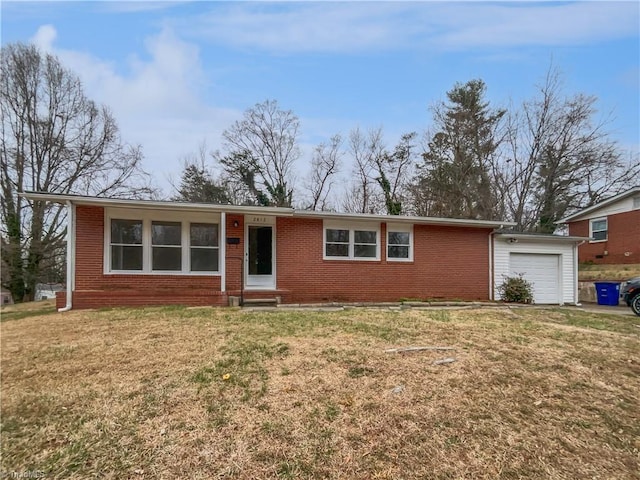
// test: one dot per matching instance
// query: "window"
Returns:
(351, 243)
(399, 243)
(365, 244)
(337, 243)
(166, 241)
(204, 247)
(598, 229)
(148, 242)
(636, 202)
(126, 245)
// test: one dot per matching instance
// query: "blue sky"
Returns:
(178, 73)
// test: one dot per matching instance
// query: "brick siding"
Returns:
(623, 240)
(95, 289)
(449, 263)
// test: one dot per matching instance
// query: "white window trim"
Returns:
(404, 229)
(591, 221)
(147, 216)
(352, 227)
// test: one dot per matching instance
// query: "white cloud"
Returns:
(137, 6)
(44, 37)
(300, 27)
(355, 26)
(158, 102)
(549, 24)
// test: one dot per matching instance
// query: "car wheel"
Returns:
(635, 305)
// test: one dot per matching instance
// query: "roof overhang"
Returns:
(363, 217)
(542, 238)
(586, 211)
(156, 204)
(253, 210)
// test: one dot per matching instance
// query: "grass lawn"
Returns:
(218, 393)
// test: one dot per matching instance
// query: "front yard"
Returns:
(217, 393)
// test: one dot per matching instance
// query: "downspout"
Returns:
(576, 290)
(71, 250)
(491, 282)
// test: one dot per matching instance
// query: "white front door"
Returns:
(260, 257)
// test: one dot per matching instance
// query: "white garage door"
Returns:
(542, 271)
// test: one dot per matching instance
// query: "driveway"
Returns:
(619, 309)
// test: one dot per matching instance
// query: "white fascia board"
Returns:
(543, 238)
(157, 204)
(585, 211)
(363, 217)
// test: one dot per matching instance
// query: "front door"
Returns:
(260, 257)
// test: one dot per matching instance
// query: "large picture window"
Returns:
(351, 242)
(599, 229)
(152, 245)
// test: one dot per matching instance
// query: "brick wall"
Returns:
(449, 262)
(95, 289)
(622, 245)
(235, 254)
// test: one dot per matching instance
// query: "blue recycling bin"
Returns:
(608, 293)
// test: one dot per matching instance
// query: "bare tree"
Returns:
(54, 139)
(393, 173)
(557, 158)
(325, 164)
(261, 150)
(362, 194)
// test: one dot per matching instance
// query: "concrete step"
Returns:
(260, 302)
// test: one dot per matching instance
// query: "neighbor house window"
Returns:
(126, 245)
(351, 242)
(167, 244)
(204, 248)
(399, 243)
(598, 229)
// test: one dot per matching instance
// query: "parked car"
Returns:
(631, 294)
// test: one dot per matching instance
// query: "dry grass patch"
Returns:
(613, 273)
(27, 309)
(212, 393)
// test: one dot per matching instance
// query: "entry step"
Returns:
(261, 302)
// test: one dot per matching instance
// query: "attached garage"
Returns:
(549, 262)
(543, 271)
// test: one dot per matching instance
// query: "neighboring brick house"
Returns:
(613, 227)
(130, 252)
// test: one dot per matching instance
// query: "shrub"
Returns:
(516, 289)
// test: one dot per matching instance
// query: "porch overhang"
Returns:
(157, 204)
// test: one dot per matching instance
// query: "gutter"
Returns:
(71, 253)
